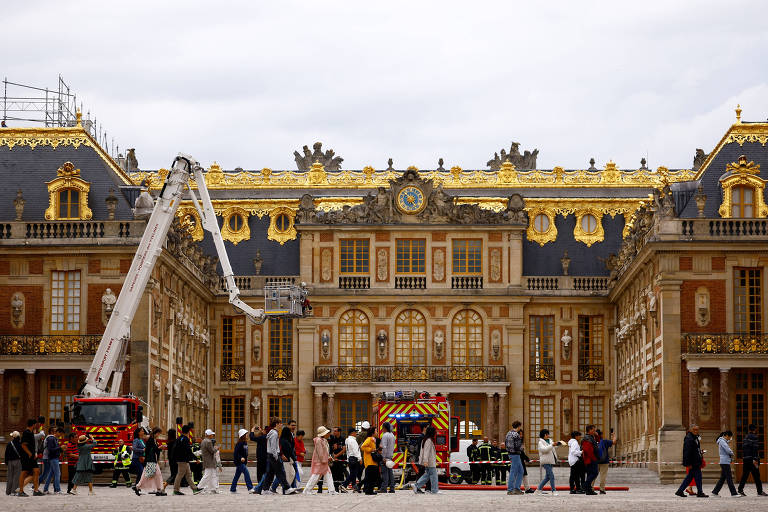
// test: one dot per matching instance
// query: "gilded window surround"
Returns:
(589, 238)
(281, 236)
(196, 229)
(747, 174)
(68, 178)
(226, 231)
(541, 237)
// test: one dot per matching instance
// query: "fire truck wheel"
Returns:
(456, 476)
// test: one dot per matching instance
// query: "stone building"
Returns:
(631, 299)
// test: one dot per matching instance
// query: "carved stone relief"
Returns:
(325, 344)
(495, 268)
(17, 310)
(438, 264)
(107, 305)
(256, 342)
(326, 260)
(439, 343)
(496, 344)
(382, 264)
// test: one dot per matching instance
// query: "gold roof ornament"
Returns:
(79, 116)
(317, 174)
(67, 170)
(738, 113)
(507, 173)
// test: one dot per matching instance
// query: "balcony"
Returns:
(719, 229)
(40, 345)
(254, 285)
(541, 372)
(232, 373)
(76, 231)
(280, 372)
(410, 282)
(725, 344)
(467, 282)
(566, 285)
(591, 372)
(410, 374)
(354, 282)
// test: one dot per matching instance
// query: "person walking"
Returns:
(274, 460)
(29, 466)
(338, 448)
(576, 480)
(52, 451)
(692, 459)
(355, 460)
(240, 458)
(170, 445)
(85, 468)
(473, 455)
(514, 445)
(137, 453)
(13, 463)
(486, 456)
(428, 459)
(726, 458)
(288, 451)
(321, 458)
(604, 456)
(387, 452)
(151, 478)
(370, 462)
(72, 457)
(122, 464)
(259, 436)
(183, 451)
(751, 448)
(589, 454)
(211, 463)
(547, 459)
(301, 452)
(524, 460)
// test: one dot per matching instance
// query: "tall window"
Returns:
(61, 388)
(65, 301)
(69, 204)
(354, 334)
(410, 339)
(470, 413)
(748, 303)
(232, 420)
(233, 340)
(742, 202)
(352, 411)
(467, 339)
(280, 407)
(467, 256)
(541, 414)
(411, 256)
(590, 347)
(541, 332)
(280, 342)
(591, 412)
(354, 256)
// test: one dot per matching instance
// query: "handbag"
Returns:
(149, 469)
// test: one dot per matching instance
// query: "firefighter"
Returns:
(122, 455)
(503, 467)
(486, 455)
(473, 455)
(496, 456)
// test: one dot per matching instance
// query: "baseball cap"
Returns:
(209, 432)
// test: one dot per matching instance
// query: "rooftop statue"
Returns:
(330, 161)
(525, 161)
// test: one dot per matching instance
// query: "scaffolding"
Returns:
(27, 105)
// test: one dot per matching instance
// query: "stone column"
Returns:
(30, 393)
(303, 364)
(318, 412)
(516, 258)
(503, 416)
(331, 414)
(489, 429)
(516, 369)
(3, 407)
(724, 416)
(693, 396)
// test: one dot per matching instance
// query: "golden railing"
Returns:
(724, 343)
(32, 345)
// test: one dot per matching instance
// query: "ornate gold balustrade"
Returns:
(41, 345)
(410, 374)
(724, 343)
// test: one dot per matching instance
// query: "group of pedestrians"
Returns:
(588, 458)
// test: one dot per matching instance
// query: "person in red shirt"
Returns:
(72, 455)
(589, 453)
(301, 450)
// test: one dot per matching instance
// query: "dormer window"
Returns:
(68, 195)
(742, 202)
(743, 190)
(69, 204)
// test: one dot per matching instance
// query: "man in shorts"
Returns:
(29, 467)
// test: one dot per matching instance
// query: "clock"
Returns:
(411, 200)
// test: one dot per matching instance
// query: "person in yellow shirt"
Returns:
(371, 459)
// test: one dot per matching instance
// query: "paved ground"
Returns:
(656, 498)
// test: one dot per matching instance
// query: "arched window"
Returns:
(742, 202)
(410, 339)
(467, 339)
(69, 203)
(354, 334)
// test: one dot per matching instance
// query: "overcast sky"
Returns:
(247, 83)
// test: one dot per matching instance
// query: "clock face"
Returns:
(410, 200)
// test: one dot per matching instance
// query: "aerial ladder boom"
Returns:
(109, 361)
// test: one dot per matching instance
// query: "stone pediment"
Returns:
(411, 199)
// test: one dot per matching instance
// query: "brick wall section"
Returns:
(94, 266)
(125, 266)
(686, 263)
(33, 305)
(718, 263)
(5, 267)
(717, 320)
(35, 266)
(95, 291)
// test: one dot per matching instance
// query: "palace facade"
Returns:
(631, 299)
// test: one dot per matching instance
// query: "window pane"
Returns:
(467, 256)
(410, 339)
(280, 341)
(353, 338)
(467, 339)
(541, 411)
(232, 420)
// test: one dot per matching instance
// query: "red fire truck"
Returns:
(410, 413)
(107, 420)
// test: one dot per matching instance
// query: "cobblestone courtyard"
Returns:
(657, 498)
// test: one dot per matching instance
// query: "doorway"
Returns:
(750, 409)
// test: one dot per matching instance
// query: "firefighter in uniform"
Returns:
(486, 455)
(122, 455)
(496, 456)
(473, 455)
(503, 467)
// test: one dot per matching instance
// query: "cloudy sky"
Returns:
(247, 83)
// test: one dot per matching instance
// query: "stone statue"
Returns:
(389, 165)
(525, 161)
(381, 343)
(144, 205)
(592, 165)
(706, 397)
(131, 163)
(325, 344)
(330, 161)
(256, 341)
(18, 203)
(565, 262)
(642, 164)
(698, 159)
(439, 343)
(17, 309)
(306, 213)
(258, 261)
(566, 341)
(256, 403)
(177, 388)
(107, 304)
(496, 344)
(516, 210)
